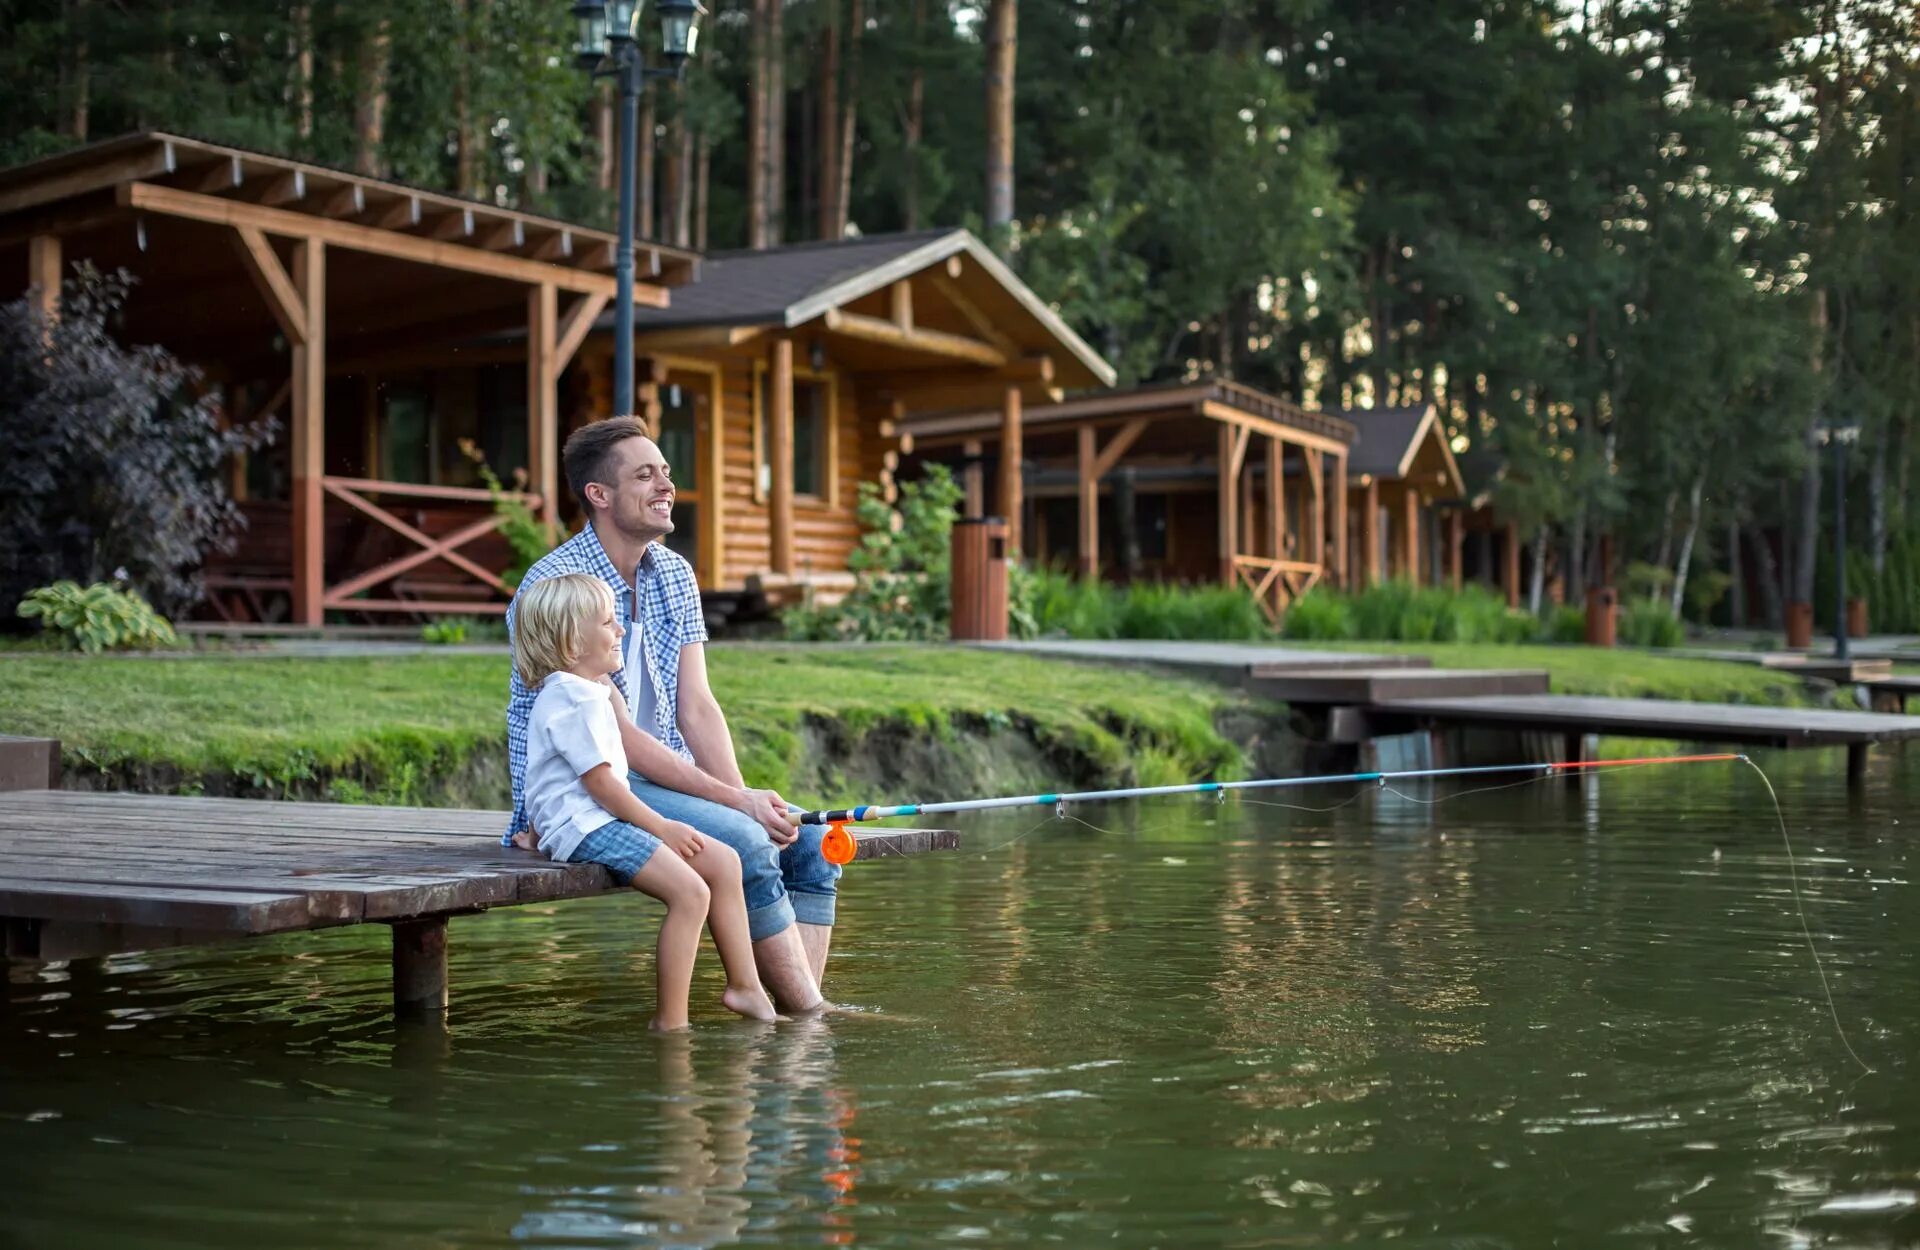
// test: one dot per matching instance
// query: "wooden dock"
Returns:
(1365, 686)
(1233, 662)
(1718, 723)
(85, 874)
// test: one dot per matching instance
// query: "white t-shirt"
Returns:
(572, 731)
(643, 701)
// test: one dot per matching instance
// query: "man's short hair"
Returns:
(550, 620)
(584, 458)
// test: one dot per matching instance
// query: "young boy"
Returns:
(566, 641)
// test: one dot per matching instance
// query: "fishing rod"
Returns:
(838, 848)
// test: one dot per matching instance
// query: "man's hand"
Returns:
(683, 839)
(770, 810)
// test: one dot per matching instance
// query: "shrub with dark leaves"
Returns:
(114, 455)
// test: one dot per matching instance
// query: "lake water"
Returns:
(1531, 1017)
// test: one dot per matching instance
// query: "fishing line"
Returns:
(1800, 909)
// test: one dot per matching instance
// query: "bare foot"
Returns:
(751, 1003)
(658, 1027)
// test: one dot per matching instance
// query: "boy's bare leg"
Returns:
(785, 972)
(719, 867)
(816, 940)
(673, 881)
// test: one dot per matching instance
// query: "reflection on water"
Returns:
(1530, 1017)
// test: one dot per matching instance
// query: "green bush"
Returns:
(902, 592)
(444, 633)
(1062, 604)
(1319, 615)
(1647, 623)
(1398, 611)
(528, 536)
(100, 617)
(1566, 624)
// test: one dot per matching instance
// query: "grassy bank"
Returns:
(430, 728)
(1604, 671)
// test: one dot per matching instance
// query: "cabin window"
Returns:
(813, 399)
(678, 437)
(406, 433)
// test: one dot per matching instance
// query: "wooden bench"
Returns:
(85, 874)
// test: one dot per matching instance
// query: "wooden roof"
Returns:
(788, 287)
(169, 173)
(1397, 443)
(1213, 399)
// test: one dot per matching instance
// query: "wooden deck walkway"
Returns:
(85, 873)
(1730, 723)
(1234, 662)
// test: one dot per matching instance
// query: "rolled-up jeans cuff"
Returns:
(775, 917)
(811, 908)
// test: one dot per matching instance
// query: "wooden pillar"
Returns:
(1277, 496)
(43, 272)
(1338, 477)
(1510, 576)
(1232, 441)
(1370, 531)
(1317, 507)
(1089, 507)
(1456, 539)
(973, 479)
(1856, 765)
(1012, 452)
(780, 516)
(308, 439)
(1410, 533)
(420, 966)
(543, 397)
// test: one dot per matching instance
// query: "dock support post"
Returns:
(1574, 751)
(420, 965)
(1856, 765)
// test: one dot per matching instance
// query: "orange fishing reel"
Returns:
(836, 845)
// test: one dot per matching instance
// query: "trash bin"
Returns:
(1603, 603)
(1799, 625)
(979, 568)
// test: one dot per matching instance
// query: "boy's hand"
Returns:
(683, 839)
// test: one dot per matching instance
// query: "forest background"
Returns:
(1640, 253)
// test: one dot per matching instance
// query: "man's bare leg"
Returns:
(817, 940)
(785, 972)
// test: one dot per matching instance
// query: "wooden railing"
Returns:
(354, 492)
(1276, 583)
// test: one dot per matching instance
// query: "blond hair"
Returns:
(550, 618)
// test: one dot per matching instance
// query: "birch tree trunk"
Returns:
(1537, 580)
(1686, 546)
(843, 195)
(1002, 25)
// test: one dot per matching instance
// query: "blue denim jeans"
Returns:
(782, 884)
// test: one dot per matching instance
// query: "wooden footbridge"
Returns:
(85, 873)
(1363, 697)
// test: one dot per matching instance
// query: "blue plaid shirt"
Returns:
(665, 599)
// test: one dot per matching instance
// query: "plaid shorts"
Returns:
(621, 848)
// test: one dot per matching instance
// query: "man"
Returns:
(678, 746)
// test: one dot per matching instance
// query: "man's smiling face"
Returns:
(641, 485)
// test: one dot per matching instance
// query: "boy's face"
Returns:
(600, 651)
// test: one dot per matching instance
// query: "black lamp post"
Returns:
(608, 47)
(1838, 436)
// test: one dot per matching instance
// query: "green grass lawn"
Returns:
(1602, 671)
(288, 725)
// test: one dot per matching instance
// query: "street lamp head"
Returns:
(679, 29)
(590, 40)
(621, 15)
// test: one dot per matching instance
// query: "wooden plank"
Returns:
(1089, 496)
(148, 163)
(221, 911)
(282, 296)
(172, 202)
(1662, 718)
(308, 437)
(930, 342)
(28, 763)
(1012, 457)
(543, 397)
(1372, 686)
(781, 455)
(44, 271)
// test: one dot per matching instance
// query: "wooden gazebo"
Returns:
(294, 285)
(1250, 488)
